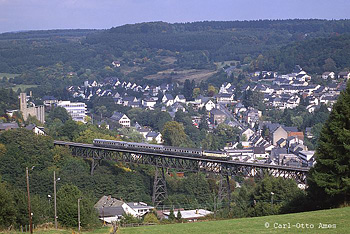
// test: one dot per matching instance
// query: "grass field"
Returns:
(104, 230)
(8, 75)
(23, 87)
(293, 224)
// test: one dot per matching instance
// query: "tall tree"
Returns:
(329, 179)
(174, 134)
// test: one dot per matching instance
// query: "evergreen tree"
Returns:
(178, 215)
(171, 215)
(329, 179)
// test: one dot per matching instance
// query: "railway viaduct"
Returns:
(225, 169)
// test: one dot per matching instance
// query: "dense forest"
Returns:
(316, 55)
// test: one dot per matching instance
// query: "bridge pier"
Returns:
(224, 190)
(94, 164)
(159, 187)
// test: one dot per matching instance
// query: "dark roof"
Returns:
(5, 126)
(217, 112)
(259, 150)
(280, 141)
(272, 126)
(152, 134)
(111, 211)
(169, 96)
(117, 116)
(343, 73)
(297, 69)
(291, 129)
(108, 201)
(45, 98)
(129, 98)
(30, 126)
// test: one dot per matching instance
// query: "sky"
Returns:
(17, 15)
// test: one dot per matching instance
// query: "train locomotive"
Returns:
(161, 149)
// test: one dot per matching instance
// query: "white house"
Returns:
(121, 118)
(247, 133)
(149, 103)
(331, 75)
(209, 105)
(37, 130)
(344, 75)
(168, 99)
(154, 136)
(180, 98)
(111, 209)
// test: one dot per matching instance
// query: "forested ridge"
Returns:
(317, 55)
(197, 44)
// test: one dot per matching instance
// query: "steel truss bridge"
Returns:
(162, 161)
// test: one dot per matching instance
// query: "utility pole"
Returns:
(272, 193)
(29, 208)
(79, 213)
(54, 191)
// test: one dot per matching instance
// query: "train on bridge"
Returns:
(145, 147)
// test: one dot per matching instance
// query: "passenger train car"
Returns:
(161, 149)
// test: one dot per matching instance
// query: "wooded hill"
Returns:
(55, 59)
(316, 55)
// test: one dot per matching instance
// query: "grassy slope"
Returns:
(340, 217)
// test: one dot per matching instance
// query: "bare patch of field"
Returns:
(182, 75)
(126, 69)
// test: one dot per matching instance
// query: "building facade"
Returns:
(77, 110)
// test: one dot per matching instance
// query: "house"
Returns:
(285, 132)
(209, 105)
(138, 209)
(143, 131)
(180, 98)
(168, 99)
(49, 100)
(344, 75)
(306, 156)
(278, 134)
(8, 126)
(37, 130)
(129, 99)
(247, 133)
(225, 98)
(291, 160)
(308, 133)
(239, 108)
(189, 215)
(116, 63)
(121, 118)
(154, 136)
(111, 209)
(217, 116)
(259, 152)
(177, 106)
(252, 116)
(277, 155)
(149, 103)
(326, 75)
